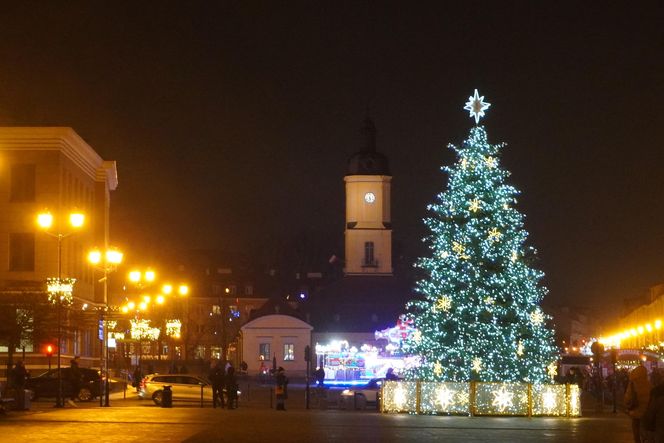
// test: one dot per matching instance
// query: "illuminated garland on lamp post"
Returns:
(59, 289)
(106, 262)
(141, 330)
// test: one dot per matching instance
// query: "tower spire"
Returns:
(368, 132)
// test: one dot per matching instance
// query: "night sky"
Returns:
(232, 122)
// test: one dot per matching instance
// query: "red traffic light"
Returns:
(49, 350)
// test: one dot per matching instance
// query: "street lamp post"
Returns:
(182, 291)
(60, 289)
(107, 262)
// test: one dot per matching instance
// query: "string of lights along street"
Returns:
(478, 315)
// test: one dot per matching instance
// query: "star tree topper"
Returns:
(476, 106)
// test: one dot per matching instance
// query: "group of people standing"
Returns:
(645, 405)
(223, 379)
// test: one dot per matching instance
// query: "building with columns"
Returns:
(54, 169)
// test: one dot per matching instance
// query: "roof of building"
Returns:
(367, 161)
(358, 304)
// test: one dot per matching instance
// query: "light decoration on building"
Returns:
(173, 328)
(61, 289)
(141, 330)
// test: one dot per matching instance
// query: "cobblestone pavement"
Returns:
(132, 420)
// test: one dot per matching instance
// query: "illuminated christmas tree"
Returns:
(478, 315)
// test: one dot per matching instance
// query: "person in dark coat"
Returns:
(653, 419)
(137, 377)
(636, 399)
(231, 388)
(281, 389)
(390, 375)
(319, 374)
(74, 380)
(217, 378)
(19, 375)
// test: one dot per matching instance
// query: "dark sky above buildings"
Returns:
(231, 122)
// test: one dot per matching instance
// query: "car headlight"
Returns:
(346, 392)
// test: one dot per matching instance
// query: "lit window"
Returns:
(289, 352)
(369, 253)
(264, 351)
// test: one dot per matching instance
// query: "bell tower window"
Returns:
(369, 260)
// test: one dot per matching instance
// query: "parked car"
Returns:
(46, 384)
(184, 387)
(367, 395)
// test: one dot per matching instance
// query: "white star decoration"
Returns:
(549, 399)
(476, 105)
(537, 317)
(502, 399)
(477, 364)
(444, 397)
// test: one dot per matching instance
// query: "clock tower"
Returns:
(368, 234)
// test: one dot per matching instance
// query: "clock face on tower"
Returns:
(369, 197)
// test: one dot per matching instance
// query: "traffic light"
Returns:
(49, 353)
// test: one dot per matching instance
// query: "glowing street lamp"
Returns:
(46, 222)
(106, 262)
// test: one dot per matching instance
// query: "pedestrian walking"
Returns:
(231, 388)
(637, 396)
(217, 378)
(74, 380)
(281, 389)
